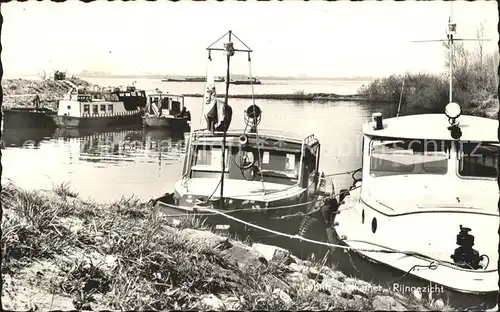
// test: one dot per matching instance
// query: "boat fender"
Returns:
(243, 139)
(329, 210)
(342, 196)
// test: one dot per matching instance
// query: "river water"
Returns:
(113, 163)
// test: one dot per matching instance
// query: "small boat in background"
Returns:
(83, 109)
(165, 110)
(248, 81)
(132, 97)
(28, 117)
(191, 79)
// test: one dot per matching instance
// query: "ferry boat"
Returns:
(427, 198)
(80, 110)
(165, 110)
(264, 177)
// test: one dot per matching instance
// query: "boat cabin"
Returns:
(132, 98)
(161, 104)
(86, 105)
(426, 155)
(265, 157)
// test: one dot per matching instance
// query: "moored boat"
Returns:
(28, 117)
(426, 203)
(262, 177)
(165, 110)
(81, 110)
(131, 97)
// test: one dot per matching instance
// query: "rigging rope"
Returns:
(348, 248)
(256, 132)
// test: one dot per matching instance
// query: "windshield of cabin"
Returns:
(408, 156)
(478, 159)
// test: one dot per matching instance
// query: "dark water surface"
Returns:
(113, 163)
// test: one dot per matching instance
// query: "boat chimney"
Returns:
(377, 121)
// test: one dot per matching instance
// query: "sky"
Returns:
(289, 38)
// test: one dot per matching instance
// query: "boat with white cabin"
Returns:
(264, 177)
(167, 111)
(81, 109)
(427, 200)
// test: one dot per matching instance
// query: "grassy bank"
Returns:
(60, 252)
(474, 85)
(20, 92)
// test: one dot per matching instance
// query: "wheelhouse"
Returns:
(165, 104)
(417, 152)
(430, 149)
(253, 157)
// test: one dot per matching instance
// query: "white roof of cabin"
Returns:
(435, 126)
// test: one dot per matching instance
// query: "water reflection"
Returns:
(118, 146)
(25, 138)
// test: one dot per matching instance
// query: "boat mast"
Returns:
(227, 46)
(452, 30)
(229, 50)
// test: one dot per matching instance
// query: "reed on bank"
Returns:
(125, 255)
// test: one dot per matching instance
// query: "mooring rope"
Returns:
(348, 248)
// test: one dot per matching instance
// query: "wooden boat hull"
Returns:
(166, 122)
(98, 122)
(290, 221)
(19, 118)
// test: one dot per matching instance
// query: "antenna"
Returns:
(451, 31)
(229, 50)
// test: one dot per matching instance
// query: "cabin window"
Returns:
(110, 108)
(407, 156)
(86, 109)
(95, 109)
(477, 159)
(209, 158)
(265, 157)
(164, 103)
(176, 107)
(103, 109)
(290, 162)
(279, 164)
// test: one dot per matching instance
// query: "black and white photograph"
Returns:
(250, 155)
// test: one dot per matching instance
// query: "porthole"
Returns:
(69, 106)
(374, 225)
(363, 216)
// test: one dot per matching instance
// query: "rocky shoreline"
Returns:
(20, 92)
(64, 253)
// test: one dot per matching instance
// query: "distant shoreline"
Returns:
(310, 97)
(155, 76)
